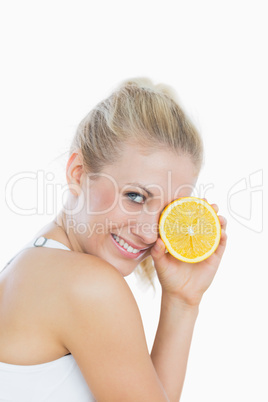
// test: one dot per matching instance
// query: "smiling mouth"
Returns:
(127, 247)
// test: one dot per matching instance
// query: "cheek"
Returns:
(118, 218)
(128, 207)
(102, 199)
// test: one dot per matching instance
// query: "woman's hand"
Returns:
(185, 281)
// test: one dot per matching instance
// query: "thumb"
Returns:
(158, 251)
(160, 258)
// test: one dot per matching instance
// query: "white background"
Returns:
(59, 58)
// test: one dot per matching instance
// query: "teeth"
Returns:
(125, 245)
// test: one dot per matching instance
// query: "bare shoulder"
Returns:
(96, 278)
(90, 277)
(101, 326)
(96, 289)
(93, 288)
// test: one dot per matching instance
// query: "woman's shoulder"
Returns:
(70, 273)
(90, 276)
(86, 269)
(66, 267)
(93, 280)
(81, 279)
(102, 328)
(59, 277)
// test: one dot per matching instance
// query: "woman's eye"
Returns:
(136, 197)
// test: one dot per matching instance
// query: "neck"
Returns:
(62, 221)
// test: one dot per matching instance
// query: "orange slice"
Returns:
(190, 229)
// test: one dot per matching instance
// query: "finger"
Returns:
(215, 207)
(223, 222)
(222, 245)
(158, 250)
(158, 253)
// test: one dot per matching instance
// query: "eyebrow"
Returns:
(142, 187)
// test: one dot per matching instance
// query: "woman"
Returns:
(70, 329)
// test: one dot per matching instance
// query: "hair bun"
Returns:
(139, 82)
(147, 84)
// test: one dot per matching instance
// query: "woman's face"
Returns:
(117, 212)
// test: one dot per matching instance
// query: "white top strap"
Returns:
(44, 242)
(40, 242)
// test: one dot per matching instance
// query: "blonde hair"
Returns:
(137, 112)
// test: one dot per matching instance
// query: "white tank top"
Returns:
(58, 381)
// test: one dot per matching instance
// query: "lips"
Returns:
(128, 250)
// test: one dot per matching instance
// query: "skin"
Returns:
(88, 285)
(183, 285)
(109, 209)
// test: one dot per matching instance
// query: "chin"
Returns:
(125, 270)
(124, 267)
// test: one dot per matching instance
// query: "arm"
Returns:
(183, 286)
(172, 344)
(102, 328)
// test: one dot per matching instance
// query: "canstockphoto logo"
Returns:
(245, 201)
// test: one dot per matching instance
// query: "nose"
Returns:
(145, 227)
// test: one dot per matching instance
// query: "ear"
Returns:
(74, 171)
